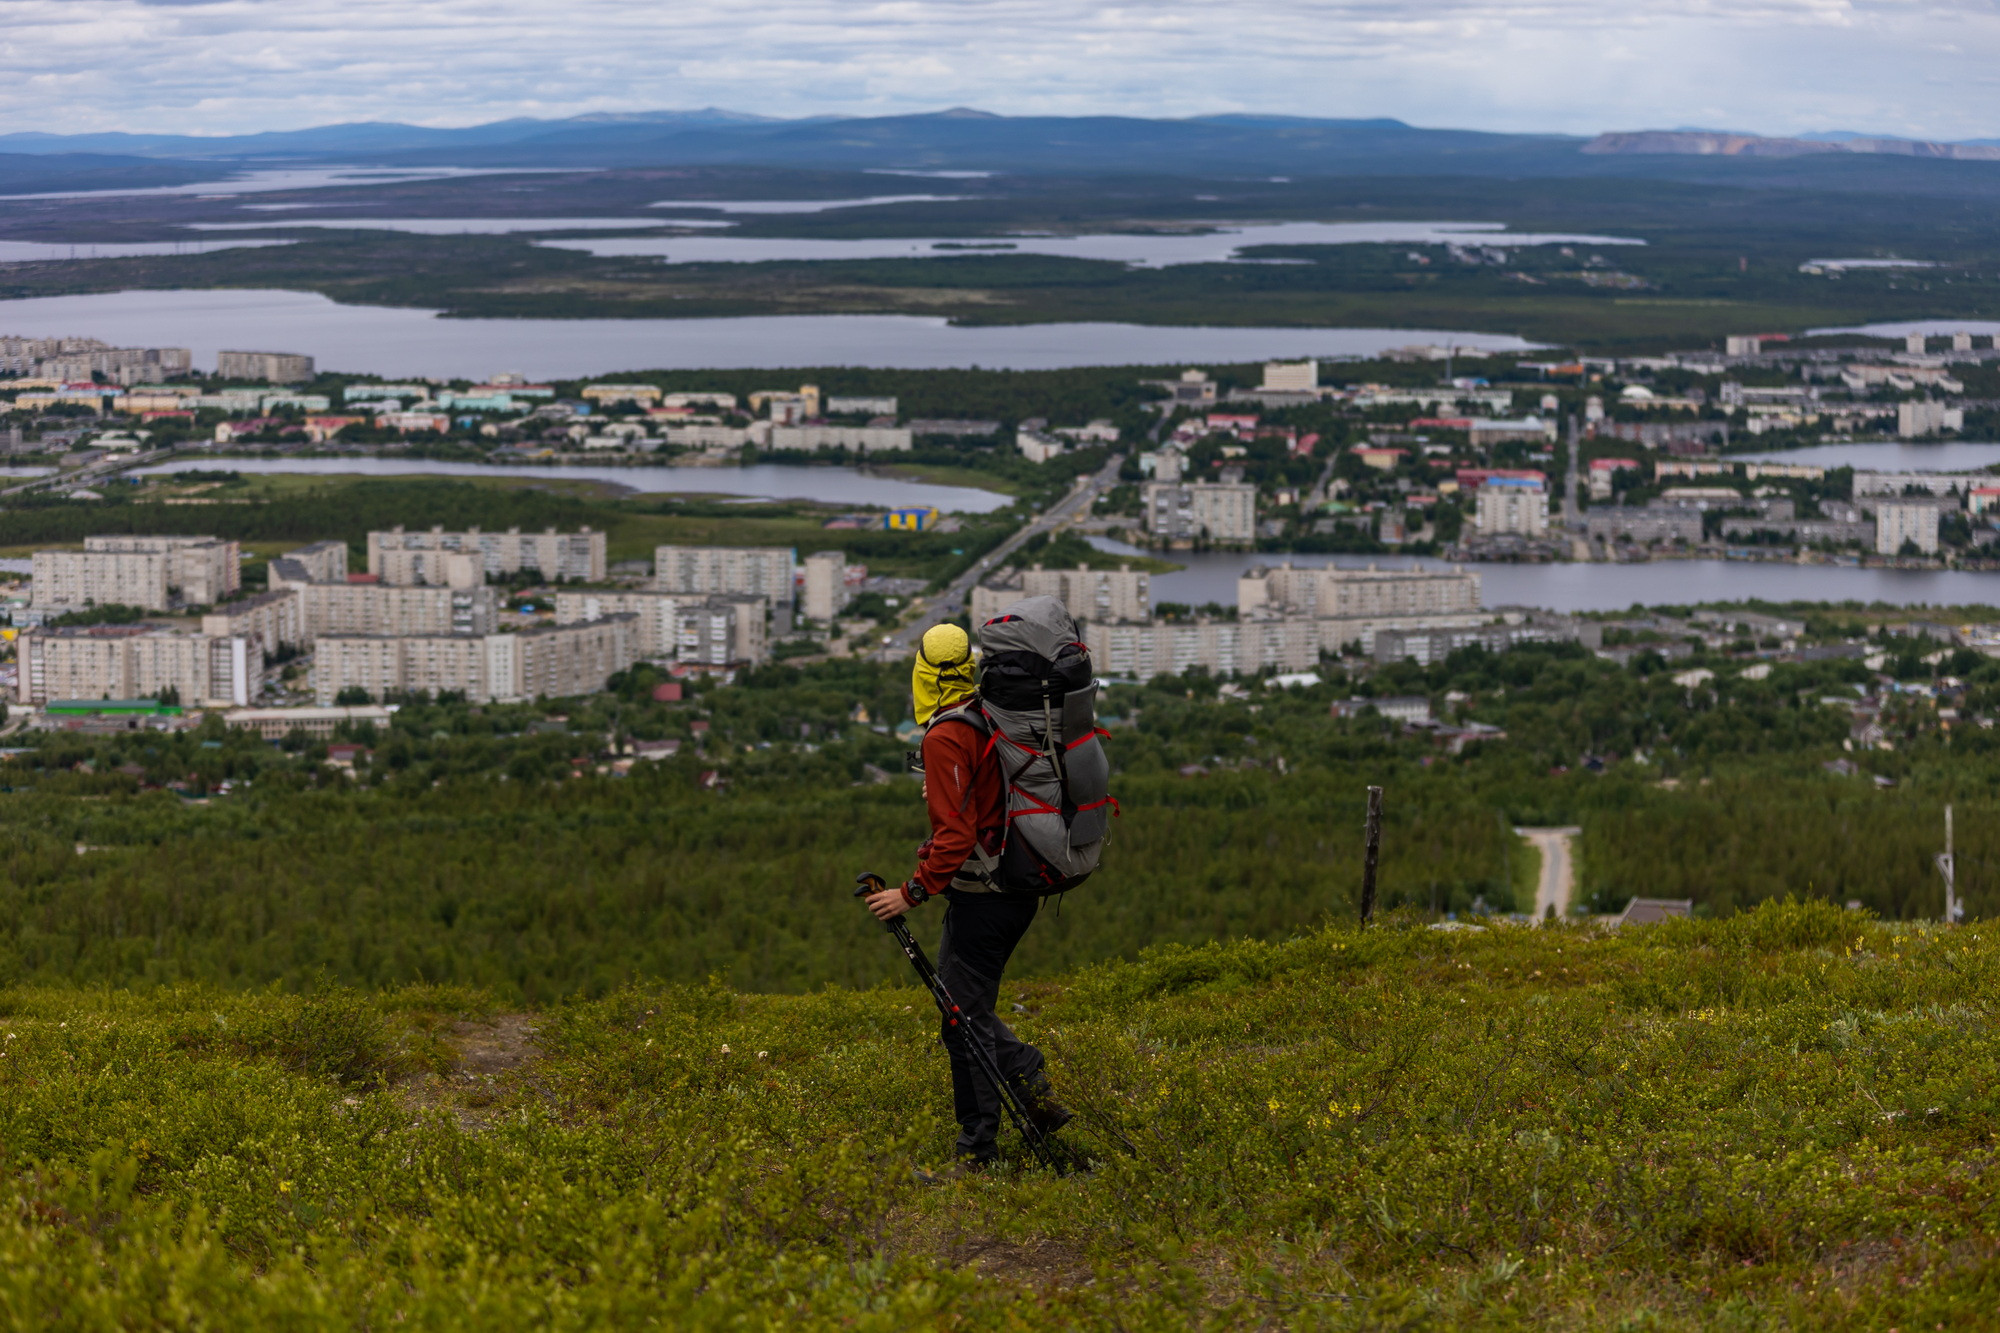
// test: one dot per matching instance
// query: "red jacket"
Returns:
(963, 790)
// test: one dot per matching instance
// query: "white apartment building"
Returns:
(860, 439)
(1915, 521)
(151, 572)
(554, 661)
(657, 615)
(1098, 595)
(824, 587)
(860, 405)
(1223, 647)
(754, 571)
(717, 629)
(1330, 591)
(1351, 605)
(134, 662)
(403, 557)
(1182, 513)
(382, 608)
(1925, 416)
(1510, 505)
(1291, 376)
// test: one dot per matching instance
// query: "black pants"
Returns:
(980, 932)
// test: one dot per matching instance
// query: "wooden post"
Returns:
(1372, 852)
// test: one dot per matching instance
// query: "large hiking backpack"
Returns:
(1038, 700)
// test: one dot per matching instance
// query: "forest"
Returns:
(499, 847)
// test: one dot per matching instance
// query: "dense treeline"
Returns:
(487, 846)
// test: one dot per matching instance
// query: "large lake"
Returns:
(396, 342)
(832, 485)
(1143, 249)
(1609, 587)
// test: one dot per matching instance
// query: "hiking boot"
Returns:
(1048, 1115)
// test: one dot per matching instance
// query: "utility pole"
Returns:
(1372, 851)
(1947, 864)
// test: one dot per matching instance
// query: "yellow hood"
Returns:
(943, 676)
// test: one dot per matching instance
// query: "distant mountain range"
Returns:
(962, 139)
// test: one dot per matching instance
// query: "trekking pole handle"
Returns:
(868, 882)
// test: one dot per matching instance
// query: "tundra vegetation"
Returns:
(479, 1035)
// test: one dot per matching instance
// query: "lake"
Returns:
(455, 226)
(830, 485)
(1143, 250)
(1608, 587)
(396, 341)
(1954, 456)
(301, 178)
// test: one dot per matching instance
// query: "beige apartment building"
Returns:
(657, 615)
(554, 661)
(323, 562)
(268, 622)
(823, 590)
(269, 367)
(401, 557)
(151, 572)
(1181, 513)
(1098, 595)
(1222, 647)
(721, 631)
(1350, 605)
(134, 662)
(381, 608)
(756, 571)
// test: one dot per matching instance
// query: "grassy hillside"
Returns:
(1780, 1120)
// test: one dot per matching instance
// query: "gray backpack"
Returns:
(1037, 704)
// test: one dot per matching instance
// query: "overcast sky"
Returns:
(1925, 68)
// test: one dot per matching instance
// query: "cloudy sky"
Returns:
(1926, 68)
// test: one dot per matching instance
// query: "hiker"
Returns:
(967, 800)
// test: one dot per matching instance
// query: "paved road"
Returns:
(944, 605)
(97, 471)
(1558, 881)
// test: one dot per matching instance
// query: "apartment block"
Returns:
(554, 661)
(1097, 595)
(382, 608)
(150, 572)
(756, 571)
(722, 631)
(658, 615)
(860, 439)
(1182, 513)
(134, 662)
(825, 586)
(270, 367)
(323, 562)
(1926, 417)
(1512, 506)
(403, 557)
(1222, 647)
(1330, 591)
(1915, 521)
(267, 622)
(1291, 376)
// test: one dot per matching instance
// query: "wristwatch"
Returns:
(913, 892)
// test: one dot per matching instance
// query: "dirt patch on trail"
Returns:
(489, 1060)
(1032, 1263)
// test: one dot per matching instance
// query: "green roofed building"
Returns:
(118, 707)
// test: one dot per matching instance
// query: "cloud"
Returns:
(1779, 66)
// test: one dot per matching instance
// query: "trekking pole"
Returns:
(1045, 1148)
